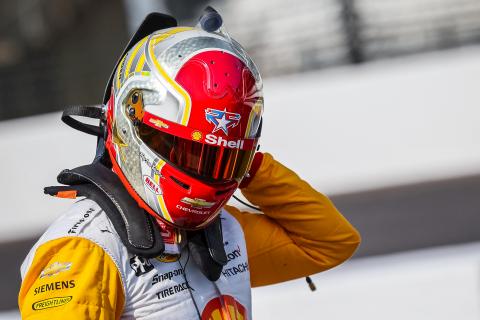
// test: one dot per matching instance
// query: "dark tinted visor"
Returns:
(206, 161)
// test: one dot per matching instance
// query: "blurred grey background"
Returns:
(55, 52)
(394, 147)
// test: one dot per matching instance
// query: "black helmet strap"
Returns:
(94, 112)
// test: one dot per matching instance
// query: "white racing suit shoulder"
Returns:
(162, 287)
(83, 219)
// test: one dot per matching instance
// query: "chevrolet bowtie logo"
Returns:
(55, 268)
(159, 123)
(197, 203)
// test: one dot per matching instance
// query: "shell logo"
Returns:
(197, 135)
(224, 308)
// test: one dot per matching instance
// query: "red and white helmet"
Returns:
(183, 123)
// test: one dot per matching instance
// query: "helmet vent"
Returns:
(180, 183)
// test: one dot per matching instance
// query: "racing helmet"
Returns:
(183, 122)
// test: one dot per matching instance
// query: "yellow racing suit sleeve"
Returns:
(71, 278)
(300, 231)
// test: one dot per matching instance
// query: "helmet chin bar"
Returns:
(178, 198)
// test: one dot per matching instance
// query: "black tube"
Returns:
(210, 20)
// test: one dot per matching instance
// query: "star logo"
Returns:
(222, 120)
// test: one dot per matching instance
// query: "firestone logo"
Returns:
(152, 185)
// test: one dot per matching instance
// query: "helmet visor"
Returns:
(209, 162)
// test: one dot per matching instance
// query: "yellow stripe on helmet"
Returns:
(119, 69)
(155, 40)
(140, 63)
(257, 107)
(160, 199)
(133, 55)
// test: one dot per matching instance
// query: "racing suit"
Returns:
(79, 269)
